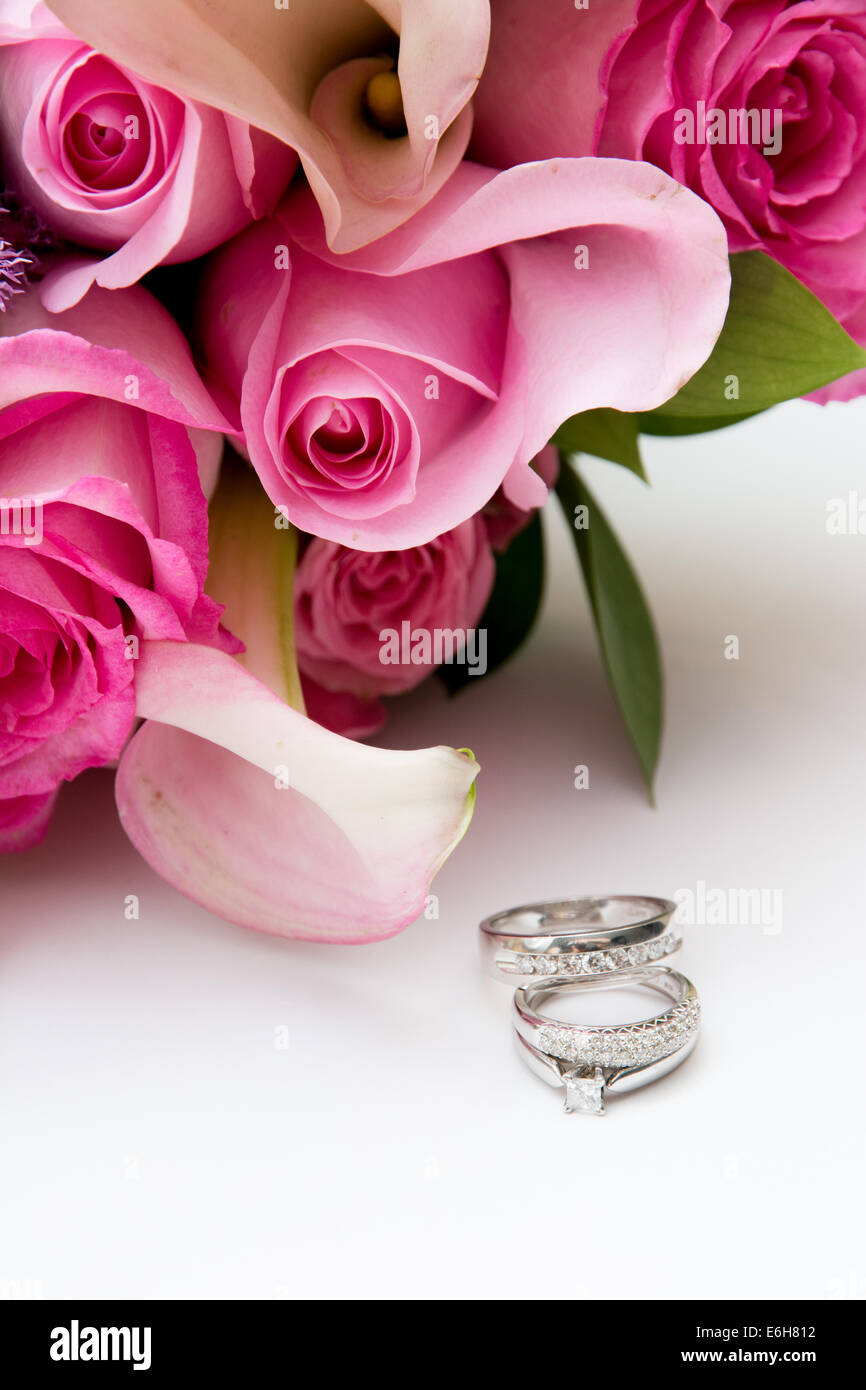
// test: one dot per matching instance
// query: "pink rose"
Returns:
(384, 396)
(114, 162)
(375, 97)
(104, 427)
(804, 202)
(368, 623)
(660, 79)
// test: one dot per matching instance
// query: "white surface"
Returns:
(155, 1140)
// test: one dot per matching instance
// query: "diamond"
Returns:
(545, 965)
(637, 955)
(595, 962)
(656, 949)
(584, 1091)
(629, 1045)
(617, 958)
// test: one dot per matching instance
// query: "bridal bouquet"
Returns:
(305, 308)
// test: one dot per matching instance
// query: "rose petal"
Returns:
(537, 99)
(342, 712)
(24, 821)
(113, 345)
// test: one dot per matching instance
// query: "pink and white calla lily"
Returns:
(247, 806)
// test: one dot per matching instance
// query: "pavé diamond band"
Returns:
(587, 938)
(592, 1062)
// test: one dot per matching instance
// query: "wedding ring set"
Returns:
(549, 950)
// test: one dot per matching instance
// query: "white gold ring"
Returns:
(586, 938)
(592, 1062)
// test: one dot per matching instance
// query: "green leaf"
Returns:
(513, 605)
(607, 434)
(778, 342)
(654, 422)
(622, 620)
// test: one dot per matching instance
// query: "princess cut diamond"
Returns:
(584, 1090)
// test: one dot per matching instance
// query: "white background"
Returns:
(156, 1142)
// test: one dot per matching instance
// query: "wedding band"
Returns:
(592, 1062)
(586, 937)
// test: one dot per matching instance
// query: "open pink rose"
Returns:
(373, 96)
(384, 396)
(805, 202)
(371, 624)
(105, 429)
(627, 78)
(115, 162)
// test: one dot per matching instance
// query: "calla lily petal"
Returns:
(253, 552)
(273, 822)
(243, 803)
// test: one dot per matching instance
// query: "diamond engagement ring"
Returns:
(587, 938)
(592, 1062)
